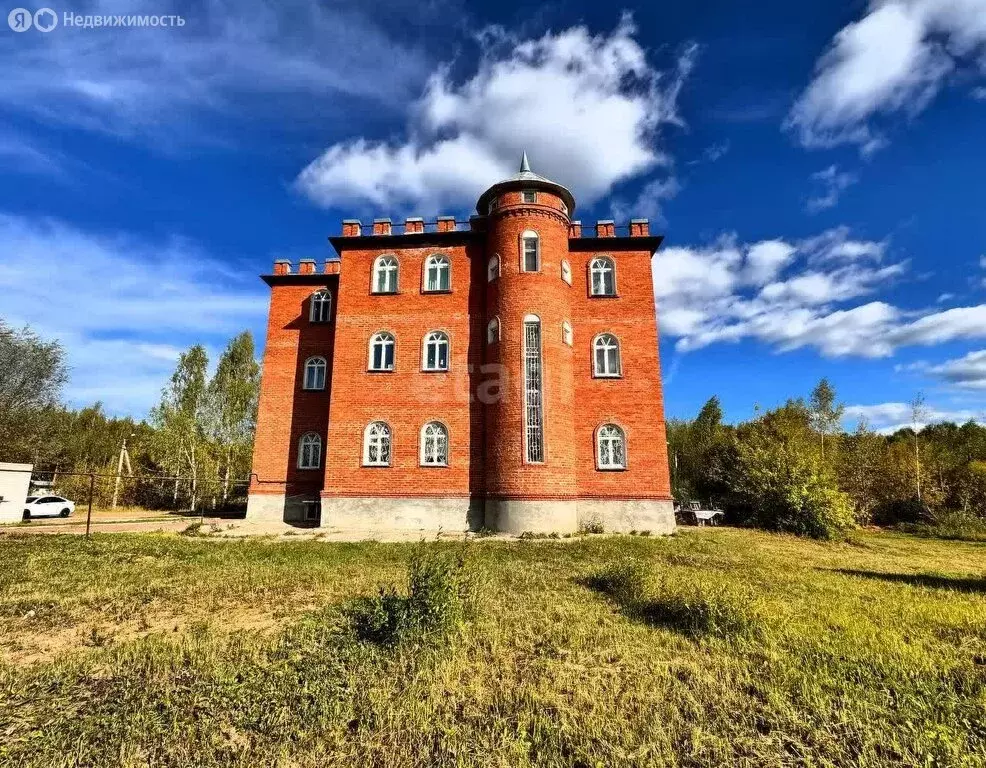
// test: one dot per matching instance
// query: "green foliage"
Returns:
(958, 526)
(625, 581)
(441, 596)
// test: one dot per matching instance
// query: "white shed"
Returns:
(14, 482)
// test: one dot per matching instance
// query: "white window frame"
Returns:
(605, 432)
(436, 261)
(379, 438)
(436, 338)
(529, 234)
(494, 204)
(493, 268)
(319, 300)
(534, 415)
(313, 442)
(602, 262)
(378, 266)
(493, 331)
(529, 196)
(384, 339)
(429, 456)
(598, 343)
(314, 363)
(566, 271)
(567, 335)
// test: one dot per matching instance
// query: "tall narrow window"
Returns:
(493, 268)
(530, 252)
(315, 373)
(438, 274)
(310, 451)
(376, 445)
(381, 352)
(493, 331)
(321, 309)
(533, 406)
(385, 275)
(602, 277)
(610, 447)
(435, 355)
(566, 332)
(566, 271)
(606, 356)
(434, 445)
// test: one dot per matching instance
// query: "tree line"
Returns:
(794, 469)
(194, 448)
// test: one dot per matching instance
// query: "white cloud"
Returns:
(120, 305)
(589, 110)
(158, 82)
(967, 372)
(893, 60)
(831, 184)
(887, 418)
(979, 93)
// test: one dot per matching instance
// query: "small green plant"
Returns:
(194, 529)
(645, 533)
(591, 526)
(625, 581)
(700, 610)
(484, 532)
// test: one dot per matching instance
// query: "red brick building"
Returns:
(502, 373)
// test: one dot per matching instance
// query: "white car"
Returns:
(47, 506)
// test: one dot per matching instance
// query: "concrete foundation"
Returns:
(625, 515)
(516, 516)
(279, 508)
(408, 514)
(15, 481)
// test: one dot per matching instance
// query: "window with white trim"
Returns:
(376, 445)
(434, 445)
(566, 271)
(493, 268)
(438, 273)
(566, 332)
(564, 208)
(529, 196)
(606, 356)
(611, 449)
(602, 277)
(314, 373)
(533, 400)
(435, 355)
(321, 307)
(310, 451)
(494, 204)
(381, 352)
(530, 252)
(385, 274)
(493, 331)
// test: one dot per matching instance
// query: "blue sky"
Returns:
(817, 168)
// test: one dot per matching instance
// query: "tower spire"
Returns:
(525, 167)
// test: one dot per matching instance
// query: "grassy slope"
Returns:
(170, 651)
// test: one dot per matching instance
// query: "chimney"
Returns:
(446, 223)
(575, 229)
(351, 228)
(333, 266)
(414, 226)
(282, 267)
(605, 228)
(381, 226)
(306, 267)
(639, 228)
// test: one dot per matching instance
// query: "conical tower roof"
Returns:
(525, 178)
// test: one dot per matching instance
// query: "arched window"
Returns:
(493, 331)
(436, 352)
(434, 445)
(438, 273)
(530, 252)
(606, 357)
(493, 268)
(381, 352)
(385, 275)
(321, 307)
(376, 445)
(602, 277)
(611, 447)
(566, 332)
(315, 373)
(566, 271)
(310, 451)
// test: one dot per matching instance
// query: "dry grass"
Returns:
(738, 648)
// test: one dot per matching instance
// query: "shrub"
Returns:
(625, 581)
(441, 596)
(591, 526)
(698, 610)
(957, 526)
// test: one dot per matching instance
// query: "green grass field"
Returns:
(736, 648)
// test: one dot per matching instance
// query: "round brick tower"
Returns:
(530, 439)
